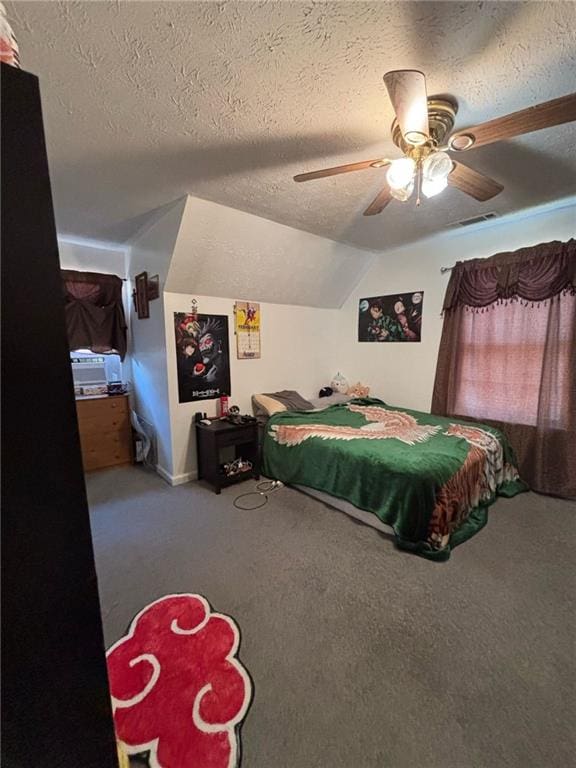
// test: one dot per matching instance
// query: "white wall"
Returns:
(403, 373)
(295, 343)
(225, 252)
(151, 250)
(92, 256)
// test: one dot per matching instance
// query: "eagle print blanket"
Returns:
(430, 478)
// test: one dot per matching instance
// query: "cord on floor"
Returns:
(263, 489)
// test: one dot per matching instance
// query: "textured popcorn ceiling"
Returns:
(147, 101)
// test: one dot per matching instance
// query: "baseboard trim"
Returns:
(187, 477)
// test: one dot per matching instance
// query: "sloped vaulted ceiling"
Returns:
(147, 101)
(223, 252)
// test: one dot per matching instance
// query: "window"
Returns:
(503, 360)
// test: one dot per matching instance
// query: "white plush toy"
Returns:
(339, 384)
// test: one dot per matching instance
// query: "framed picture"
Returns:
(202, 356)
(141, 295)
(153, 288)
(247, 326)
(397, 317)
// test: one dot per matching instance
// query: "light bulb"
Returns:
(402, 193)
(437, 166)
(400, 173)
(432, 187)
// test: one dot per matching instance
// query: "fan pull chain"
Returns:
(418, 183)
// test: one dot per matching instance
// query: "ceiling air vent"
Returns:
(476, 219)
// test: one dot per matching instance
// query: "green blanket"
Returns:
(430, 478)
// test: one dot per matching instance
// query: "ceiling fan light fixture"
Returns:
(400, 173)
(433, 187)
(461, 142)
(402, 193)
(437, 167)
(415, 138)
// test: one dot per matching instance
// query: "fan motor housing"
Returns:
(441, 116)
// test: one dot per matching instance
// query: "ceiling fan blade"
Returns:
(378, 163)
(407, 91)
(473, 183)
(545, 115)
(379, 203)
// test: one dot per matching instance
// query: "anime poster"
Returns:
(247, 316)
(391, 318)
(202, 356)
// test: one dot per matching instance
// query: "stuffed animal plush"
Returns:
(358, 390)
(339, 384)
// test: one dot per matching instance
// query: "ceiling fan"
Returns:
(422, 130)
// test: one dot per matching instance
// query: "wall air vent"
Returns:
(476, 219)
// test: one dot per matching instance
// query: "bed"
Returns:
(430, 479)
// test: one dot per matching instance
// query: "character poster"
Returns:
(202, 356)
(391, 318)
(247, 316)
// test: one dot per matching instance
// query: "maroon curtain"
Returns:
(94, 312)
(508, 356)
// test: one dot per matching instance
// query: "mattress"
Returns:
(429, 478)
(345, 506)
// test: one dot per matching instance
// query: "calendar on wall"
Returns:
(247, 325)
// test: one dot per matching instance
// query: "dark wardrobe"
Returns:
(55, 701)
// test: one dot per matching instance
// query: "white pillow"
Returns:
(268, 404)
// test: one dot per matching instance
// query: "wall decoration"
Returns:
(397, 317)
(202, 356)
(153, 287)
(141, 295)
(147, 289)
(247, 319)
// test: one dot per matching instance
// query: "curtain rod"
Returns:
(446, 269)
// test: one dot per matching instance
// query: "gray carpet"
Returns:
(363, 656)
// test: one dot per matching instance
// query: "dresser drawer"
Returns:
(104, 422)
(237, 437)
(105, 433)
(91, 407)
(105, 450)
(103, 415)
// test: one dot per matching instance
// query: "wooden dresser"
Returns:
(105, 432)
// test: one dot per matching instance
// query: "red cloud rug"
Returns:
(178, 691)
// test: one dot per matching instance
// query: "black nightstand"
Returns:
(212, 438)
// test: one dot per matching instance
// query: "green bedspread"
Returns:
(430, 478)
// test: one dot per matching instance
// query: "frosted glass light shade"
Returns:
(400, 173)
(437, 166)
(430, 187)
(402, 193)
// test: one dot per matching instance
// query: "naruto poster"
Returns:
(202, 356)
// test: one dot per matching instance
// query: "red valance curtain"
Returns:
(508, 356)
(536, 273)
(94, 312)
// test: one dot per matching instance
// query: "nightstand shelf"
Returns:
(212, 439)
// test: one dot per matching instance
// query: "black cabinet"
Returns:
(214, 440)
(56, 707)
